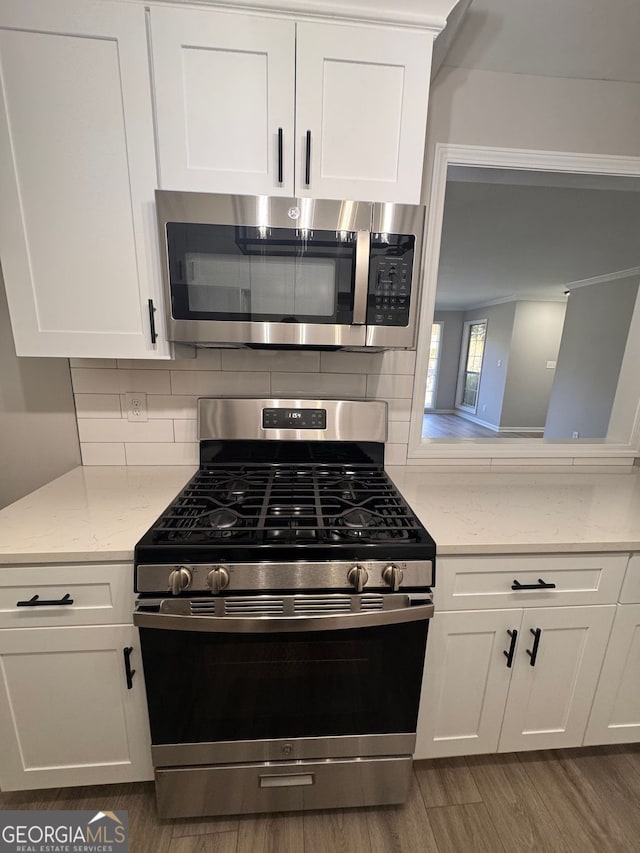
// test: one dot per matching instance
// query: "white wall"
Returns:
(591, 352)
(38, 433)
(537, 330)
(449, 358)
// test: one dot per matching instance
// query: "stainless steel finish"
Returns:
(280, 624)
(392, 576)
(265, 576)
(229, 789)
(295, 780)
(179, 579)
(237, 418)
(358, 576)
(361, 281)
(239, 332)
(294, 749)
(400, 219)
(282, 605)
(271, 212)
(322, 214)
(217, 579)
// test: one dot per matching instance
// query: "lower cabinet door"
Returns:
(466, 681)
(560, 653)
(67, 714)
(615, 716)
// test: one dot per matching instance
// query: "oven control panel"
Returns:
(339, 575)
(294, 418)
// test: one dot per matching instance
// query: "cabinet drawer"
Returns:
(631, 587)
(470, 583)
(101, 594)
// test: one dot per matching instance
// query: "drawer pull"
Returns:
(36, 601)
(129, 673)
(533, 653)
(540, 585)
(512, 648)
(294, 780)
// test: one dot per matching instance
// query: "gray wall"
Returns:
(537, 330)
(500, 320)
(38, 433)
(449, 358)
(591, 352)
(490, 108)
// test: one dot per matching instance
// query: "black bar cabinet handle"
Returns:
(152, 322)
(307, 164)
(540, 585)
(127, 666)
(533, 653)
(36, 601)
(512, 648)
(280, 154)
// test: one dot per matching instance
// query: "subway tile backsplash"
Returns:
(168, 437)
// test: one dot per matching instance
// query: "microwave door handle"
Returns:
(361, 282)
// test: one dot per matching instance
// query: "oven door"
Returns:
(224, 690)
(240, 269)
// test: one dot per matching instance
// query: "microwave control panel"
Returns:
(390, 272)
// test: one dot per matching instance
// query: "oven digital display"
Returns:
(294, 418)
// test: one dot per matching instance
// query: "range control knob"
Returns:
(357, 577)
(179, 579)
(217, 579)
(392, 576)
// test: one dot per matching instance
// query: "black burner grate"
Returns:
(288, 504)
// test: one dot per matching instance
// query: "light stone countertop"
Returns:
(491, 513)
(97, 514)
(88, 515)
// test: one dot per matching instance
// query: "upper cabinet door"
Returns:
(361, 112)
(224, 93)
(78, 244)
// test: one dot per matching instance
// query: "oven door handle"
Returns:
(279, 624)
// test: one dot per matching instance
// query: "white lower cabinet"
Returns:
(473, 702)
(466, 682)
(67, 715)
(615, 716)
(548, 704)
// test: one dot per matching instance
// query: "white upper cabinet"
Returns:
(361, 112)
(78, 244)
(255, 105)
(224, 90)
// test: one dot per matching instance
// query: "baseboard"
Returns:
(521, 429)
(475, 420)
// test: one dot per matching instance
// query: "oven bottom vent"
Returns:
(259, 606)
(288, 605)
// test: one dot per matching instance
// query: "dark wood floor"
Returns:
(566, 801)
(454, 426)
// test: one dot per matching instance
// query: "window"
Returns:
(471, 364)
(432, 369)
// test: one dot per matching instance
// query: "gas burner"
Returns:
(221, 519)
(359, 518)
(237, 488)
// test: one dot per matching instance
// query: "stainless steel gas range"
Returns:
(283, 607)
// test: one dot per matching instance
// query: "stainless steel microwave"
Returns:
(301, 272)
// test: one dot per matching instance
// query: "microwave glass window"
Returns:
(228, 272)
(260, 284)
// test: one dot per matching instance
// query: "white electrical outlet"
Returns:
(136, 405)
(551, 365)
(575, 435)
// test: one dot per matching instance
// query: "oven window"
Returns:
(229, 272)
(205, 687)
